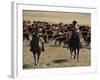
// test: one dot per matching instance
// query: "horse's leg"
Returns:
(87, 41)
(55, 42)
(48, 38)
(34, 58)
(85, 45)
(43, 47)
(71, 51)
(28, 40)
(59, 42)
(78, 54)
(38, 57)
(74, 53)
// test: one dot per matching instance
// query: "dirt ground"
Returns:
(55, 56)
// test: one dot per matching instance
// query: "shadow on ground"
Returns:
(60, 61)
(54, 46)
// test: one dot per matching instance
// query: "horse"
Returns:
(74, 45)
(26, 35)
(88, 38)
(37, 45)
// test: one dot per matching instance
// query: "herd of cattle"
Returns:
(39, 33)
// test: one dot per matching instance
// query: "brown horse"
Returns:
(37, 45)
(26, 35)
(74, 45)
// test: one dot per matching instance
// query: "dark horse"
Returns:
(26, 35)
(37, 45)
(74, 45)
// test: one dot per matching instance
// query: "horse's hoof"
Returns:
(37, 64)
(74, 57)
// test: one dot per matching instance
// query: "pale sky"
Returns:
(57, 17)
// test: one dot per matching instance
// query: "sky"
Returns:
(57, 17)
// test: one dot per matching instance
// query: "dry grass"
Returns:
(55, 56)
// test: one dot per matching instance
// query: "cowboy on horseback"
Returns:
(37, 45)
(74, 41)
